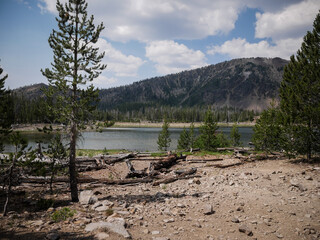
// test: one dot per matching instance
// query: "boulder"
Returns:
(87, 197)
(116, 225)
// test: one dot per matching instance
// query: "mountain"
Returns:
(247, 83)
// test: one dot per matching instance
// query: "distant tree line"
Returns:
(35, 111)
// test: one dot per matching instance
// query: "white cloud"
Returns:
(47, 6)
(291, 22)
(104, 82)
(118, 63)
(172, 57)
(146, 20)
(239, 48)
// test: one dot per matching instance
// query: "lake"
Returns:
(139, 139)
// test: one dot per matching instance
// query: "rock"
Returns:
(101, 206)
(146, 231)
(245, 229)
(36, 223)
(171, 220)
(53, 236)
(155, 232)
(87, 197)
(102, 236)
(160, 238)
(116, 225)
(235, 220)
(294, 182)
(240, 209)
(196, 181)
(207, 209)
(308, 177)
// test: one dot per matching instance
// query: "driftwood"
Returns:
(39, 180)
(183, 175)
(166, 162)
(221, 165)
(135, 173)
(204, 160)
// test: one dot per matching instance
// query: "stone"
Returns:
(155, 232)
(116, 225)
(171, 220)
(245, 229)
(87, 197)
(235, 220)
(308, 177)
(295, 183)
(207, 209)
(102, 236)
(160, 238)
(53, 236)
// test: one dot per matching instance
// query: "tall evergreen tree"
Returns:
(268, 131)
(164, 137)
(300, 95)
(184, 140)
(76, 63)
(235, 135)
(6, 109)
(208, 138)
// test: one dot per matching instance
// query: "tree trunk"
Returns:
(72, 165)
(8, 192)
(74, 130)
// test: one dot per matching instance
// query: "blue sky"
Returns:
(148, 38)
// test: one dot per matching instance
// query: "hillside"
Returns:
(242, 83)
(248, 83)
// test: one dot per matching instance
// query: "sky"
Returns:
(148, 38)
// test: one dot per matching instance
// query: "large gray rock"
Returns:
(116, 225)
(87, 197)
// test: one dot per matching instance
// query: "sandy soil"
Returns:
(271, 199)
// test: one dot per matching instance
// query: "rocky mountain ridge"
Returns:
(247, 83)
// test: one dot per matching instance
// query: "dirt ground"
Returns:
(270, 199)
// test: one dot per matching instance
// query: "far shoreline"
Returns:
(144, 124)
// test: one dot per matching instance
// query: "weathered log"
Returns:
(87, 180)
(221, 165)
(166, 162)
(184, 175)
(204, 160)
(135, 173)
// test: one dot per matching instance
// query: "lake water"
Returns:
(140, 139)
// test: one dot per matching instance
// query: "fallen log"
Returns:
(184, 175)
(224, 165)
(38, 180)
(166, 162)
(135, 173)
(204, 160)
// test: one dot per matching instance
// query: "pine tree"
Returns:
(164, 137)
(300, 95)
(6, 109)
(208, 139)
(76, 64)
(268, 131)
(184, 140)
(192, 137)
(235, 135)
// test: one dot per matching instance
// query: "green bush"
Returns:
(62, 214)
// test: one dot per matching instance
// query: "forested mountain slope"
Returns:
(248, 83)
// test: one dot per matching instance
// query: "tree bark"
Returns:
(72, 165)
